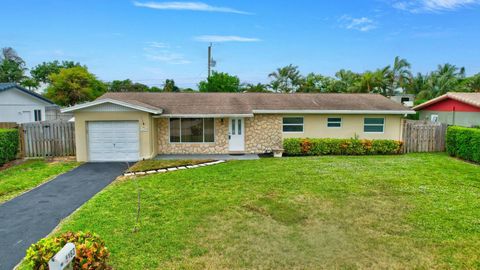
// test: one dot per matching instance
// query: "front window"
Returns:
(37, 115)
(293, 124)
(434, 118)
(191, 130)
(373, 125)
(334, 122)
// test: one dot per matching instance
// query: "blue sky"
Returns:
(150, 41)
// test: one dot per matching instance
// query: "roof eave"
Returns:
(113, 101)
(221, 115)
(402, 112)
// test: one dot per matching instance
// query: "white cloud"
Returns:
(362, 24)
(158, 51)
(217, 38)
(195, 6)
(418, 6)
(159, 45)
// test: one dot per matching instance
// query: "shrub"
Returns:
(464, 143)
(317, 147)
(91, 251)
(8, 145)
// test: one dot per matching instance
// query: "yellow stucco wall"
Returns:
(146, 124)
(315, 126)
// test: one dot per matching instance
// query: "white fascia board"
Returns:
(113, 101)
(201, 115)
(331, 112)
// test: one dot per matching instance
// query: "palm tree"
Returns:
(474, 83)
(286, 79)
(419, 86)
(347, 81)
(400, 75)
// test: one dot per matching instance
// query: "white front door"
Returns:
(113, 141)
(236, 135)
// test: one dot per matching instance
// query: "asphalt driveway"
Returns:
(26, 219)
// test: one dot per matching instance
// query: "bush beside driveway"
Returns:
(406, 211)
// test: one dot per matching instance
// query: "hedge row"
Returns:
(317, 147)
(464, 143)
(8, 145)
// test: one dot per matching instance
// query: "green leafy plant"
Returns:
(317, 147)
(8, 145)
(91, 252)
(464, 143)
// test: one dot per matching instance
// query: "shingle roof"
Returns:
(468, 98)
(248, 103)
(8, 86)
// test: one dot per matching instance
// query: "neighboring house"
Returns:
(406, 99)
(132, 126)
(461, 109)
(20, 105)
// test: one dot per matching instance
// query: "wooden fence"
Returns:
(8, 125)
(48, 139)
(423, 136)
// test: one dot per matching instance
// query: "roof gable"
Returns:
(449, 105)
(471, 99)
(10, 86)
(106, 104)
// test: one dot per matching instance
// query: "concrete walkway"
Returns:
(27, 218)
(208, 156)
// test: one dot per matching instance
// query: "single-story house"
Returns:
(132, 126)
(461, 109)
(20, 105)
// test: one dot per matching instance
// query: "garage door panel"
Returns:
(113, 141)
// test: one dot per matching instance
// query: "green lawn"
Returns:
(409, 211)
(20, 178)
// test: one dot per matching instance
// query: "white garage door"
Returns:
(113, 141)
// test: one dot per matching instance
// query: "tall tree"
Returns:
(286, 79)
(169, 86)
(220, 82)
(12, 66)
(400, 75)
(74, 85)
(419, 85)
(41, 73)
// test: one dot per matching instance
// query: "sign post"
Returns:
(63, 258)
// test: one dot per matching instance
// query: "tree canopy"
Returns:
(74, 85)
(41, 73)
(220, 82)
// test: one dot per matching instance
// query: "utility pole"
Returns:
(209, 59)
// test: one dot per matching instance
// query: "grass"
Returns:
(148, 165)
(396, 212)
(20, 178)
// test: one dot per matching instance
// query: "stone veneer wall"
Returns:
(220, 146)
(263, 133)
